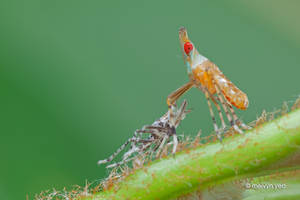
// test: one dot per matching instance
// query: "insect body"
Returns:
(210, 77)
(206, 76)
(151, 138)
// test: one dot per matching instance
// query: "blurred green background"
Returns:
(78, 77)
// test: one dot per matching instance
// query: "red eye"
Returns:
(188, 47)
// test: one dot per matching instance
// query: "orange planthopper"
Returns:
(207, 77)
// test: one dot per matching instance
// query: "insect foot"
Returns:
(244, 126)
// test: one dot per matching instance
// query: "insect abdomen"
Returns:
(233, 94)
(239, 100)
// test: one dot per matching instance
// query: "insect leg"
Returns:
(181, 113)
(177, 93)
(219, 110)
(150, 131)
(223, 103)
(117, 164)
(236, 119)
(133, 142)
(212, 114)
(139, 150)
(174, 96)
(161, 145)
(175, 143)
(131, 151)
(117, 152)
(134, 148)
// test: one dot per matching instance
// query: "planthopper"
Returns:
(206, 76)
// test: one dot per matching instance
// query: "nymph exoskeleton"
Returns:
(151, 138)
(206, 76)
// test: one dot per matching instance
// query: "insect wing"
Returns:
(232, 93)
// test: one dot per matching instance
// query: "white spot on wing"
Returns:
(222, 81)
(245, 104)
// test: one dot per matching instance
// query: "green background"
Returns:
(78, 77)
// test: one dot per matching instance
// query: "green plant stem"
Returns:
(205, 165)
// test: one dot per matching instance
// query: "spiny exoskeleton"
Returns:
(151, 139)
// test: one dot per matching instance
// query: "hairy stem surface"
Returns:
(236, 157)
